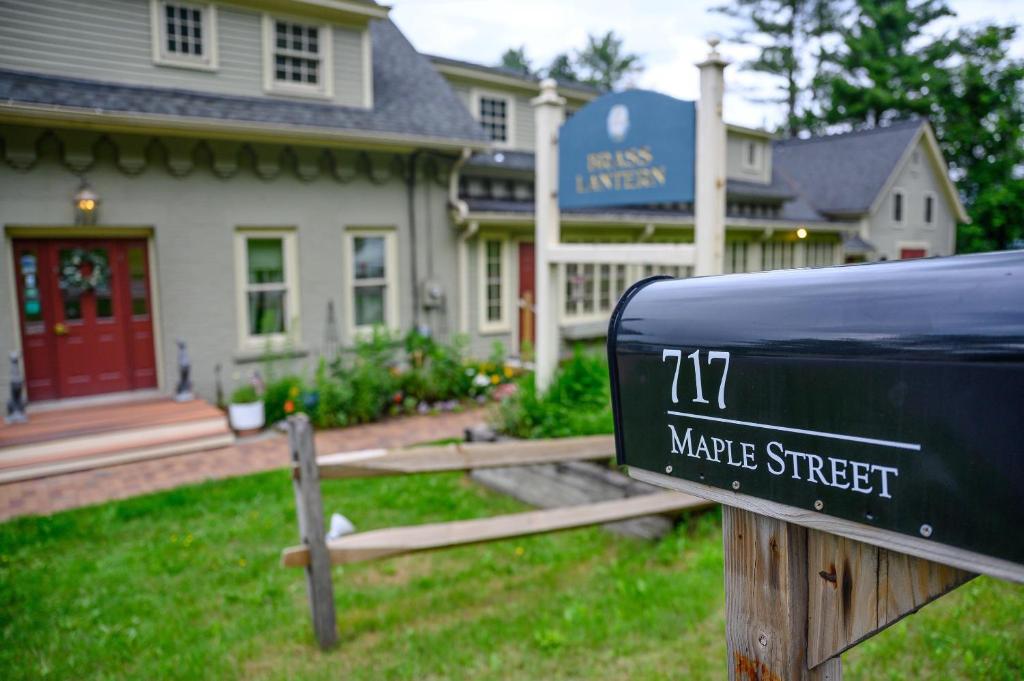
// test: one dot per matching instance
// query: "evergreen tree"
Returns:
(886, 66)
(515, 59)
(787, 33)
(563, 69)
(605, 63)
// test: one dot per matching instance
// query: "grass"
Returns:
(186, 584)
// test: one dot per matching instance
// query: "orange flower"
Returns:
(289, 407)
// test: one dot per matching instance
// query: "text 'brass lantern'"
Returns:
(86, 203)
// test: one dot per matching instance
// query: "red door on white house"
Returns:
(85, 315)
(908, 253)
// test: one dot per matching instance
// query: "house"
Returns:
(878, 194)
(274, 179)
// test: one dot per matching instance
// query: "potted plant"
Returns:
(246, 410)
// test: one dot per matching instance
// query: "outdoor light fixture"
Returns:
(86, 203)
(801, 233)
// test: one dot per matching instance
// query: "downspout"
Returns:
(410, 190)
(461, 207)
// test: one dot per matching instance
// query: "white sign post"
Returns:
(706, 254)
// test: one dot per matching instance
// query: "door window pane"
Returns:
(72, 306)
(369, 305)
(137, 282)
(28, 264)
(369, 257)
(266, 261)
(266, 312)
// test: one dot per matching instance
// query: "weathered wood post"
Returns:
(310, 513)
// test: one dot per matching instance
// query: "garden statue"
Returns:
(15, 405)
(183, 393)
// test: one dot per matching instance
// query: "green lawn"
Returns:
(186, 584)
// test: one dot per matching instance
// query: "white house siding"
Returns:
(915, 180)
(111, 40)
(194, 219)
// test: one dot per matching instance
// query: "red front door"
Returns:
(527, 298)
(908, 253)
(86, 317)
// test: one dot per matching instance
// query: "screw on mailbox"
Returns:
(735, 484)
(926, 530)
(818, 504)
(668, 469)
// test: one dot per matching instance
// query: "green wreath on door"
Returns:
(72, 277)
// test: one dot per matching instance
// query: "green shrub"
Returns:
(283, 397)
(371, 377)
(578, 402)
(244, 394)
(333, 399)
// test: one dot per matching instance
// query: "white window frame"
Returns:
(510, 114)
(503, 324)
(158, 31)
(898, 191)
(247, 341)
(390, 280)
(325, 42)
(631, 274)
(928, 195)
(758, 154)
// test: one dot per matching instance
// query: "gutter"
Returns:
(461, 208)
(125, 121)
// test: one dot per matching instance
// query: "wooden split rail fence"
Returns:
(316, 554)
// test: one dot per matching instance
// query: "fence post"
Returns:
(310, 513)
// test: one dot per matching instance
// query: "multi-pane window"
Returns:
(184, 34)
(494, 117)
(183, 29)
(821, 253)
(296, 53)
(778, 255)
(735, 257)
(266, 288)
(495, 312)
(369, 280)
(593, 289)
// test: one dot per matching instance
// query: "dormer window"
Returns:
(297, 57)
(184, 34)
(752, 155)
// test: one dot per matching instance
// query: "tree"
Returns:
(563, 69)
(980, 123)
(886, 66)
(604, 62)
(787, 32)
(889, 66)
(515, 59)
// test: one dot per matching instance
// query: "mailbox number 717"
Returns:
(712, 355)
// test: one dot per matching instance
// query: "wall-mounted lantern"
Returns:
(801, 233)
(86, 203)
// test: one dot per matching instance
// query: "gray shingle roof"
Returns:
(512, 73)
(843, 174)
(410, 98)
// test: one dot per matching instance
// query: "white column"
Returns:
(548, 114)
(709, 203)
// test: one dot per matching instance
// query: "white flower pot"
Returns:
(248, 416)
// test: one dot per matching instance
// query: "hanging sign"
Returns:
(627, 148)
(890, 396)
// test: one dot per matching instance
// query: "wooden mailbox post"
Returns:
(862, 426)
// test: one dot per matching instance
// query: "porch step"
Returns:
(75, 442)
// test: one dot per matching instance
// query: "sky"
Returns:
(669, 35)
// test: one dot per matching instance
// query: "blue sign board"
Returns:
(627, 148)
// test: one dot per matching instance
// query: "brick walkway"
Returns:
(48, 495)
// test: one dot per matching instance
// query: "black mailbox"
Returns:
(890, 395)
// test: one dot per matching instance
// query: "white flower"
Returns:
(481, 380)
